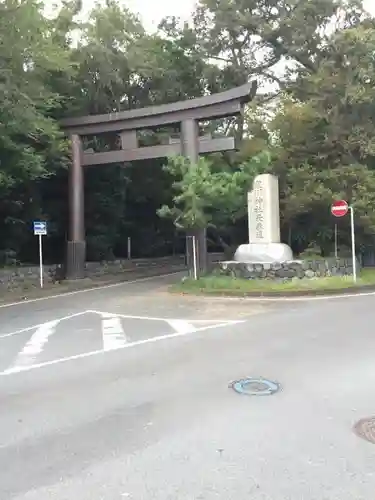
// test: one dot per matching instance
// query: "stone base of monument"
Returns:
(263, 253)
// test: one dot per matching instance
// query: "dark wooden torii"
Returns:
(187, 114)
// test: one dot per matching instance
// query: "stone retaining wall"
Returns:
(16, 277)
(12, 278)
(288, 270)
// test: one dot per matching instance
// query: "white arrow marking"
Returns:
(35, 345)
(113, 333)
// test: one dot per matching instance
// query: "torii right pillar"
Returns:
(190, 149)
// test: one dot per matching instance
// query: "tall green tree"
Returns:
(325, 138)
(31, 145)
(28, 56)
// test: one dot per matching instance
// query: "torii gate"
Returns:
(186, 114)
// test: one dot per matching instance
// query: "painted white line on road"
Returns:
(125, 316)
(113, 333)
(151, 318)
(35, 345)
(30, 328)
(126, 346)
(181, 326)
(107, 314)
(103, 287)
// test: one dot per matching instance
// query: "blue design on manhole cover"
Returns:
(252, 386)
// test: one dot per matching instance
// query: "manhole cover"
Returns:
(365, 429)
(255, 386)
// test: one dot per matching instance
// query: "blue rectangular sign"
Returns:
(40, 228)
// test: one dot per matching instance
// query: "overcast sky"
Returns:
(152, 11)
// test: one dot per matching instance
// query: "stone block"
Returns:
(276, 266)
(309, 273)
(306, 264)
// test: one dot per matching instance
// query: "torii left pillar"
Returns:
(76, 250)
(190, 149)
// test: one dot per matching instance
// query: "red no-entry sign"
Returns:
(339, 208)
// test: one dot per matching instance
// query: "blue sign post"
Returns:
(40, 229)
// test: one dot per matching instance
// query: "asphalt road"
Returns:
(124, 392)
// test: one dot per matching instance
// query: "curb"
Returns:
(354, 290)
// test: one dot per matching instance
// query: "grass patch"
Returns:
(223, 285)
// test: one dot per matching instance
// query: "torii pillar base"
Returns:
(75, 260)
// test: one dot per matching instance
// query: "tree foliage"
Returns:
(29, 137)
(314, 61)
(208, 193)
(325, 137)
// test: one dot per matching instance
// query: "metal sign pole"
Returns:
(40, 229)
(129, 252)
(353, 243)
(195, 258)
(41, 260)
(336, 241)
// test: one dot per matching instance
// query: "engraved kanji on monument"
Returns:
(264, 224)
(263, 210)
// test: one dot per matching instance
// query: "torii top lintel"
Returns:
(220, 105)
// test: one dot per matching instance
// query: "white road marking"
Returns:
(35, 345)
(126, 316)
(108, 315)
(113, 333)
(30, 328)
(93, 289)
(167, 320)
(181, 326)
(126, 346)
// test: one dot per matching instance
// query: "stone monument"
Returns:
(264, 224)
